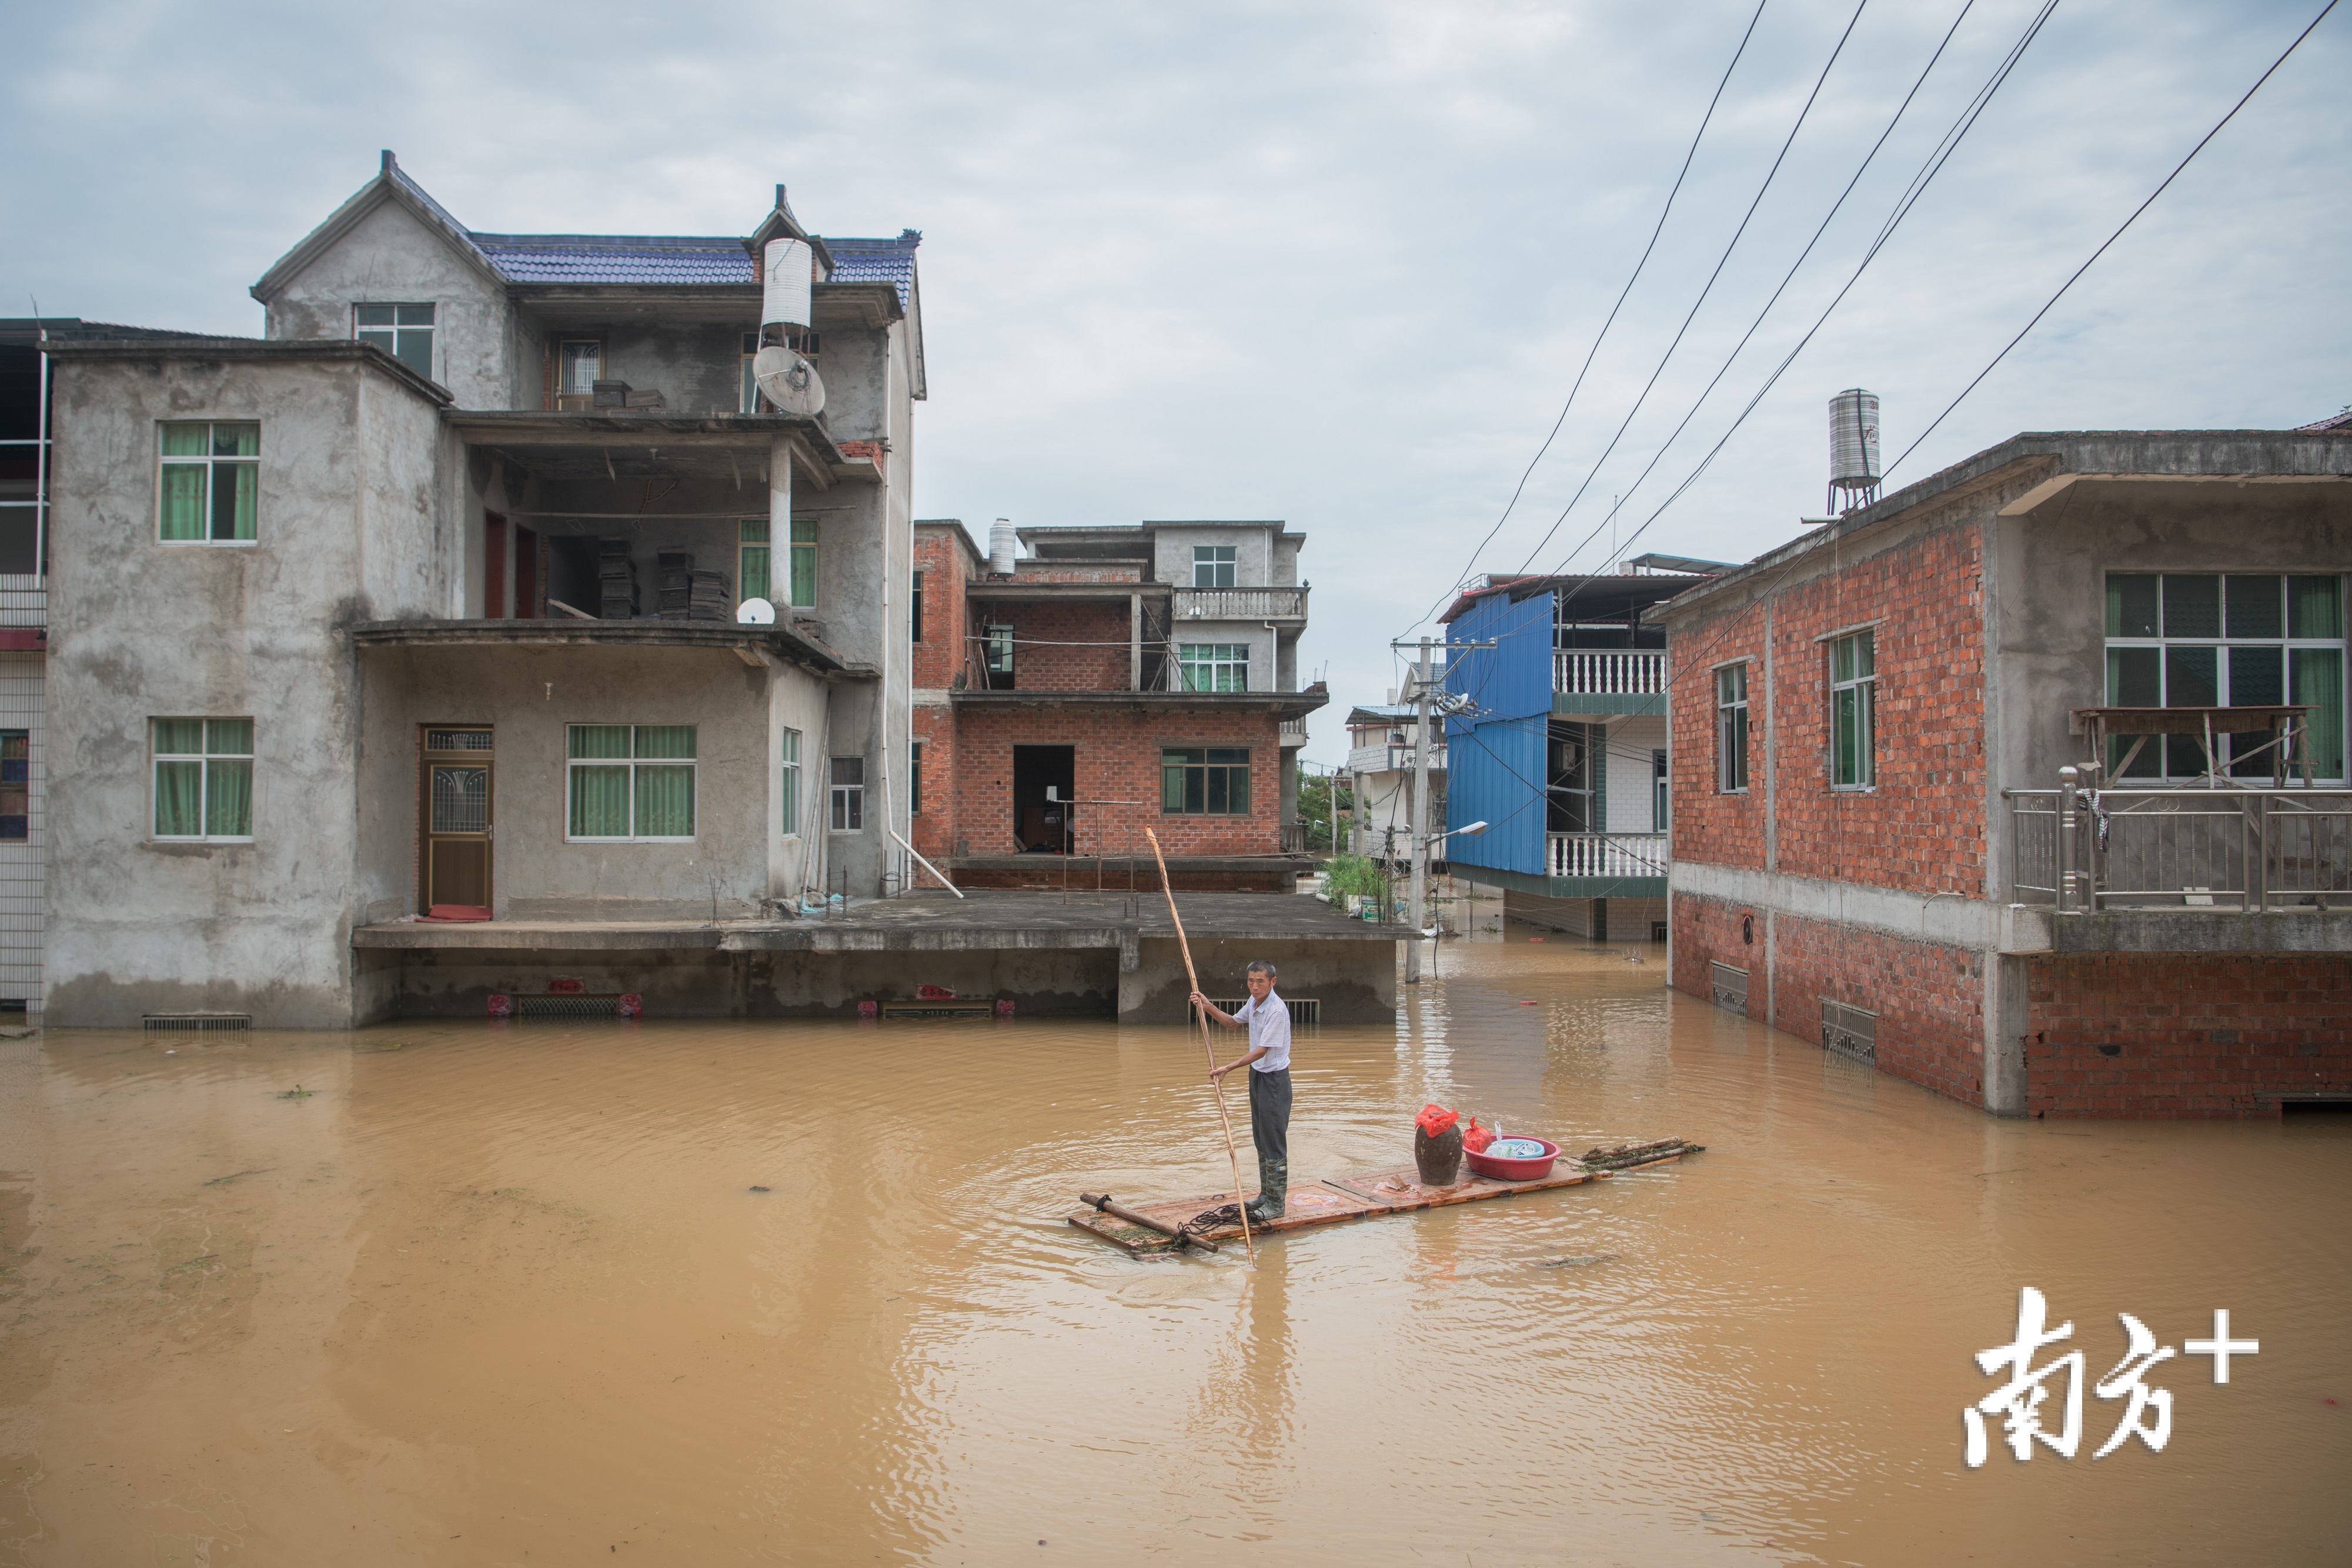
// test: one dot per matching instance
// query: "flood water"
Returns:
(504, 1294)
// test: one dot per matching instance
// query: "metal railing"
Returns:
(1608, 854)
(2259, 849)
(1240, 604)
(1608, 672)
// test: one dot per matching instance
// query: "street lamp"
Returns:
(1473, 830)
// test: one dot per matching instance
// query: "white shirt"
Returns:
(1269, 1027)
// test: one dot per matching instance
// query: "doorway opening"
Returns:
(453, 816)
(1042, 824)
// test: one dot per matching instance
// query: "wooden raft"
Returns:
(1371, 1195)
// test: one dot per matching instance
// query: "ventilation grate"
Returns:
(574, 1006)
(1303, 1009)
(1730, 986)
(196, 1021)
(1849, 1032)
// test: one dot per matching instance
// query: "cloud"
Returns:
(1331, 262)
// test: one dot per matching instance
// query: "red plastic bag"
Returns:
(1434, 1120)
(1476, 1139)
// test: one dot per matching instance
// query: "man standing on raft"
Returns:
(1267, 1018)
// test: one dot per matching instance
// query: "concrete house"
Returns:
(1382, 739)
(426, 602)
(1561, 744)
(2028, 783)
(1109, 681)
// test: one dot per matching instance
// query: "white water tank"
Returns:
(786, 272)
(1853, 439)
(1004, 545)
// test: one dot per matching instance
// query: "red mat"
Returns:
(452, 913)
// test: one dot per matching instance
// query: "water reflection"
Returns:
(485, 1292)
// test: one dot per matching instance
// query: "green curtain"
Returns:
(236, 441)
(179, 792)
(2319, 681)
(179, 736)
(804, 563)
(665, 740)
(183, 515)
(597, 740)
(186, 440)
(228, 798)
(228, 736)
(599, 803)
(665, 802)
(2314, 607)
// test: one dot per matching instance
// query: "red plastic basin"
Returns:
(1534, 1169)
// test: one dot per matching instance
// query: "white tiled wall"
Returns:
(24, 601)
(24, 902)
(1631, 742)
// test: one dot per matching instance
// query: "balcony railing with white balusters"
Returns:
(1608, 854)
(1608, 672)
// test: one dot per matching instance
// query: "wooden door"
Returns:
(455, 815)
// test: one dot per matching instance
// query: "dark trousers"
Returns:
(1270, 1114)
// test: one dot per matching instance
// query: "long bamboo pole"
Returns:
(1194, 976)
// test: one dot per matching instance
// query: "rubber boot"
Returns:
(1272, 1186)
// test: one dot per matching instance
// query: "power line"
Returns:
(1638, 266)
(2111, 239)
(1721, 261)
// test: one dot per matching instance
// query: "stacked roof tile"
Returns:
(617, 258)
(891, 261)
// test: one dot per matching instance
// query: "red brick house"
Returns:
(1985, 781)
(1112, 680)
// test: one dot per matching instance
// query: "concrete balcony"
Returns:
(2185, 869)
(1609, 680)
(1283, 606)
(1291, 732)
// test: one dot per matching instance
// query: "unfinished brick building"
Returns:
(1112, 680)
(2028, 783)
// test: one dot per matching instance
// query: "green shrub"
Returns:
(1356, 876)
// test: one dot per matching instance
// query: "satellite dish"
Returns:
(755, 613)
(789, 382)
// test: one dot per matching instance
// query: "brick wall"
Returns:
(2186, 1035)
(946, 567)
(1070, 646)
(933, 827)
(1118, 754)
(1929, 998)
(1922, 827)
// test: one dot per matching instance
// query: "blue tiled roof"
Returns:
(891, 261)
(617, 258)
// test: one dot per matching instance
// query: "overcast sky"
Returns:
(1332, 263)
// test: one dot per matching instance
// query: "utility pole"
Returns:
(1420, 813)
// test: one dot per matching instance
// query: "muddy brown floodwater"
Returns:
(504, 1294)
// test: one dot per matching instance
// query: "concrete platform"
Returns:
(1091, 956)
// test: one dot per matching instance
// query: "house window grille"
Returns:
(204, 778)
(1731, 729)
(1854, 711)
(1206, 781)
(403, 331)
(630, 783)
(15, 785)
(1214, 666)
(209, 482)
(751, 557)
(848, 795)
(804, 584)
(1213, 566)
(788, 783)
(579, 363)
(2227, 639)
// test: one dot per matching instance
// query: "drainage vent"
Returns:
(196, 1021)
(1849, 1032)
(1730, 987)
(576, 1006)
(1303, 1009)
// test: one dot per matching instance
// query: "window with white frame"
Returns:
(804, 563)
(1214, 666)
(1854, 711)
(403, 331)
(996, 657)
(788, 784)
(1659, 796)
(752, 560)
(208, 483)
(629, 783)
(2227, 639)
(204, 778)
(1213, 566)
(847, 812)
(1731, 729)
